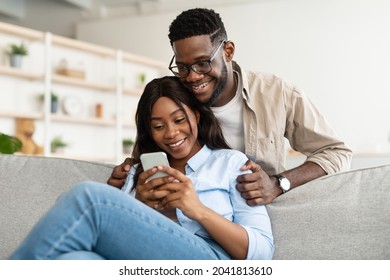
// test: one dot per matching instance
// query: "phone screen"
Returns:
(150, 160)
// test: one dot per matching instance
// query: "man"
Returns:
(257, 111)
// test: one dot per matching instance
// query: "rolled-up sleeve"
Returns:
(310, 134)
(278, 110)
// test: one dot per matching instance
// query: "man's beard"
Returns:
(218, 90)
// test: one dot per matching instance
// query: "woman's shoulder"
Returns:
(228, 154)
(227, 160)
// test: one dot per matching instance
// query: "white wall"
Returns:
(57, 17)
(337, 51)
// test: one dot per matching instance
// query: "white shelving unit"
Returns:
(111, 79)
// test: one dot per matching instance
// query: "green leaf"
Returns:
(20, 49)
(9, 144)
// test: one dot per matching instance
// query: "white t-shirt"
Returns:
(231, 118)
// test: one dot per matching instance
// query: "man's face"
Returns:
(207, 88)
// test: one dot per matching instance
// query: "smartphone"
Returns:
(150, 160)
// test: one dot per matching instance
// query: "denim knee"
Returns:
(86, 191)
(80, 255)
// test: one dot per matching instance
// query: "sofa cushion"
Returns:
(339, 216)
(30, 185)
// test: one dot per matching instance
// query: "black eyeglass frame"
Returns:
(191, 67)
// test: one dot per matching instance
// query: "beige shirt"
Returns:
(275, 110)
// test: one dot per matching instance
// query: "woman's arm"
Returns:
(230, 236)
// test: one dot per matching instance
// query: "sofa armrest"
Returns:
(30, 185)
(340, 216)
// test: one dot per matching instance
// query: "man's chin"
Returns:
(202, 97)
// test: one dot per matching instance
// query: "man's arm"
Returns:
(308, 133)
(260, 188)
(304, 173)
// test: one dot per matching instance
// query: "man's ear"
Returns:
(229, 50)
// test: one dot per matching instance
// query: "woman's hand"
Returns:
(232, 237)
(179, 193)
(147, 191)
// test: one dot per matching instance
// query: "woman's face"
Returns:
(171, 130)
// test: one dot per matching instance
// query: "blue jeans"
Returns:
(96, 221)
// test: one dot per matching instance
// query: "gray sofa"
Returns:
(340, 216)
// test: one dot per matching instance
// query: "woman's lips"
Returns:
(174, 145)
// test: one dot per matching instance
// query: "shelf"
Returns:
(18, 73)
(133, 91)
(121, 65)
(88, 121)
(129, 125)
(21, 31)
(144, 61)
(82, 46)
(34, 116)
(82, 83)
(83, 120)
(66, 119)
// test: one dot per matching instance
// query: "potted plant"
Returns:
(53, 100)
(127, 145)
(9, 144)
(57, 145)
(16, 53)
(141, 79)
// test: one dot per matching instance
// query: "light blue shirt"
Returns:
(213, 174)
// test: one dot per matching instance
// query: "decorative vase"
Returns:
(16, 60)
(58, 150)
(127, 149)
(54, 106)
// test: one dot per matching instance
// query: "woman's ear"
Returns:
(229, 50)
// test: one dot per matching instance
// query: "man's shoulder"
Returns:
(263, 77)
(252, 77)
(264, 82)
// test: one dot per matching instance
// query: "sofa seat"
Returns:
(339, 216)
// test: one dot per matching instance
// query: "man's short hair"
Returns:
(196, 22)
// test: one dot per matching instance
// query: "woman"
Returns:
(199, 215)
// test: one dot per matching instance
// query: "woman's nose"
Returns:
(171, 131)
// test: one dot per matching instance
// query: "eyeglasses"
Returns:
(200, 67)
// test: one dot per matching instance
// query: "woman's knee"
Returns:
(80, 255)
(84, 191)
(87, 187)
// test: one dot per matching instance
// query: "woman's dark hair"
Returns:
(195, 22)
(209, 129)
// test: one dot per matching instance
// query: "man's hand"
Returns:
(119, 174)
(257, 187)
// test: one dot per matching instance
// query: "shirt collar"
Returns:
(199, 158)
(244, 80)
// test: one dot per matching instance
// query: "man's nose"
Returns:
(193, 76)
